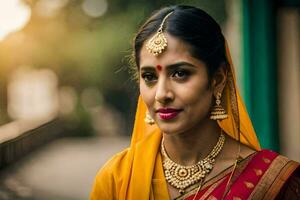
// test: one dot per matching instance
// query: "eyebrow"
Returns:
(168, 67)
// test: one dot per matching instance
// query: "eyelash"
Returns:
(184, 74)
(150, 77)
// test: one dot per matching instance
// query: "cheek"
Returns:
(199, 107)
(201, 98)
(147, 95)
(197, 95)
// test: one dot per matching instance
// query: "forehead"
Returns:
(177, 50)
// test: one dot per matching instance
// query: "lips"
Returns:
(168, 113)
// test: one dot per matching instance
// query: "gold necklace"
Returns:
(181, 177)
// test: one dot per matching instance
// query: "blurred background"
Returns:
(67, 100)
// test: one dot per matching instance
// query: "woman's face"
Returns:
(175, 87)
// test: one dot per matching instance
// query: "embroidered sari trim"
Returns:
(214, 182)
(202, 194)
(259, 177)
(243, 187)
(273, 180)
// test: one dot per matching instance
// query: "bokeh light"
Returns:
(14, 15)
(94, 8)
(32, 93)
(49, 8)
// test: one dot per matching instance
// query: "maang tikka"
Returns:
(158, 42)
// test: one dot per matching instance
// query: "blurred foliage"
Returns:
(85, 51)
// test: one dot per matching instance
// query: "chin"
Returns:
(171, 129)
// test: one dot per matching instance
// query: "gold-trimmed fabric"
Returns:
(128, 175)
(240, 168)
(246, 184)
(274, 178)
(206, 193)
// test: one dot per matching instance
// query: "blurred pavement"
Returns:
(61, 170)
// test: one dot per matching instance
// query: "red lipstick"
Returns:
(168, 113)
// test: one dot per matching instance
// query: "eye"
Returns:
(181, 74)
(149, 77)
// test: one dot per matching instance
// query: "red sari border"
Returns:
(274, 179)
(261, 178)
(246, 183)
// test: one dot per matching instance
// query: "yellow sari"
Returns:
(136, 173)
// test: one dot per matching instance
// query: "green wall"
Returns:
(260, 70)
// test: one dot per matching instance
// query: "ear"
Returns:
(219, 79)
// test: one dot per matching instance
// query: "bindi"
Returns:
(158, 67)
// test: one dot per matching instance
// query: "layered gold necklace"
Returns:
(181, 177)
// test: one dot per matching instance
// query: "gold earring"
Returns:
(148, 119)
(218, 112)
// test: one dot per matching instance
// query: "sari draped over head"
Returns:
(238, 124)
(129, 174)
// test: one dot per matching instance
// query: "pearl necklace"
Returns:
(181, 177)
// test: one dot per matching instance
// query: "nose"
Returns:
(164, 93)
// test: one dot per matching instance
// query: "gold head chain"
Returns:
(158, 42)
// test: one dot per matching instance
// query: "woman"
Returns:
(198, 141)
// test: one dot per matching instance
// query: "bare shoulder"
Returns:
(246, 151)
(233, 146)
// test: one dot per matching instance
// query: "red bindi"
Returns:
(159, 67)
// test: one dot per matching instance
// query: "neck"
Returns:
(188, 147)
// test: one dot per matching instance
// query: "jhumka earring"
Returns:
(218, 112)
(158, 42)
(148, 119)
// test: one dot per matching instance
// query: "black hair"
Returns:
(191, 25)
